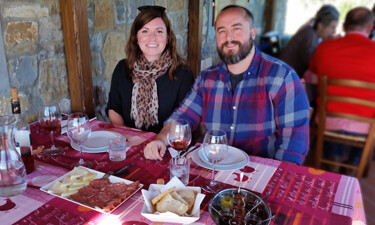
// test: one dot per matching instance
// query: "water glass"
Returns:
(180, 167)
(117, 148)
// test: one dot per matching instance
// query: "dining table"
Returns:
(295, 194)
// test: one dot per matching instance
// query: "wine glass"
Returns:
(79, 129)
(215, 148)
(179, 135)
(50, 119)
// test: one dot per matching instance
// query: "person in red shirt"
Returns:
(349, 57)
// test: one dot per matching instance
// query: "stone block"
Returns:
(26, 11)
(175, 5)
(120, 12)
(132, 8)
(21, 34)
(97, 64)
(103, 15)
(162, 3)
(50, 29)
(53, 80)
(96, 42)
(26, 70)
(5, 106)
(113, 51)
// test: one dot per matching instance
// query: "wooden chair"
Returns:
(366, 143)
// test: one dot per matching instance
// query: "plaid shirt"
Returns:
(268, 115)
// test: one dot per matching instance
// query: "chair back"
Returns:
(364, 142)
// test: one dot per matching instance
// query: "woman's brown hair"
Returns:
(132, 50)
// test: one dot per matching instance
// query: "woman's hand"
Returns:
(155, 150)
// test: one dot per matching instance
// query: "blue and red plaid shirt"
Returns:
(268, 115)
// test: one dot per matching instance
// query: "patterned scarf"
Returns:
(145, 103)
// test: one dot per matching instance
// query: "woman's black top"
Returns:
(170, 94)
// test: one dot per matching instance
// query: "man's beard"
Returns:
(243, 52)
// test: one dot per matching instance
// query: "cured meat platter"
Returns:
(103, 195)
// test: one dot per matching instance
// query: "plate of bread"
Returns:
(173, 202)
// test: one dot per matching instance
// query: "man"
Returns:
(301, 46)
(258, 100)
(349, 57)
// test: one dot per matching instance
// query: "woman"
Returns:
(153, 80)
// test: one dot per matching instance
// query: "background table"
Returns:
(298, 195)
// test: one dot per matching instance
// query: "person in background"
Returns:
(256, 99)
(153, 80)
(301, 46)
(348, 57)
(372, 33)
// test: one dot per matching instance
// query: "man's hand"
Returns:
(155, 150)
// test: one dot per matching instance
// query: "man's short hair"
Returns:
(358, 18)
(248, 14)
(325, 15)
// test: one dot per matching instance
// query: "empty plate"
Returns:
(235, 159)
(97, 142)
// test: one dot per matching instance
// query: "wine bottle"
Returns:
(21, 133)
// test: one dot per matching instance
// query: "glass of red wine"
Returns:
(79, 129)
(179, 135)
(50, 120)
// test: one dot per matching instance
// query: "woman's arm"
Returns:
(115, 118)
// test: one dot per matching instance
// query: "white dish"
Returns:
(235, 159)
(97, 142)
(99, 174)
(168, 217)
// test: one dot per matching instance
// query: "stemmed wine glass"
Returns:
(179, 135)
(50, 119)
(79, 129)
(215, 148)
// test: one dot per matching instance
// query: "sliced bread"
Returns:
(189, 197)
(169, 204)
(159, 197)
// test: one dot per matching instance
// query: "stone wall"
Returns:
(35, 54)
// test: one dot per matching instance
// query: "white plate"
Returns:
(99, 174)
(97, 142)
(235, 159)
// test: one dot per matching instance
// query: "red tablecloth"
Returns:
(299, 195)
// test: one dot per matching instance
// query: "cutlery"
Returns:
(187, 151)
(239, 186)
(118, 172)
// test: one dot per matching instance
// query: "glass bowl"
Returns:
(231, 204)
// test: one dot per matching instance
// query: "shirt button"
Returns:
(234, 107)
(232, 127)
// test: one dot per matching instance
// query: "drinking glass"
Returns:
(79, 129)
(179, 135)
(50, 119)
(215, 148)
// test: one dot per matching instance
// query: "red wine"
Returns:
(27, 159)
(179, 144)
(51, 125)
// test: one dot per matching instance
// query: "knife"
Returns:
(123, 170)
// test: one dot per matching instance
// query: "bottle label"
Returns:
(16, 109)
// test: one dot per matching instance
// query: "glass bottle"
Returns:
(12, 170)
(21, 135)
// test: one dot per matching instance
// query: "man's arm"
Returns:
(292, 120)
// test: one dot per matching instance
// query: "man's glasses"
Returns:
(160, 9)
